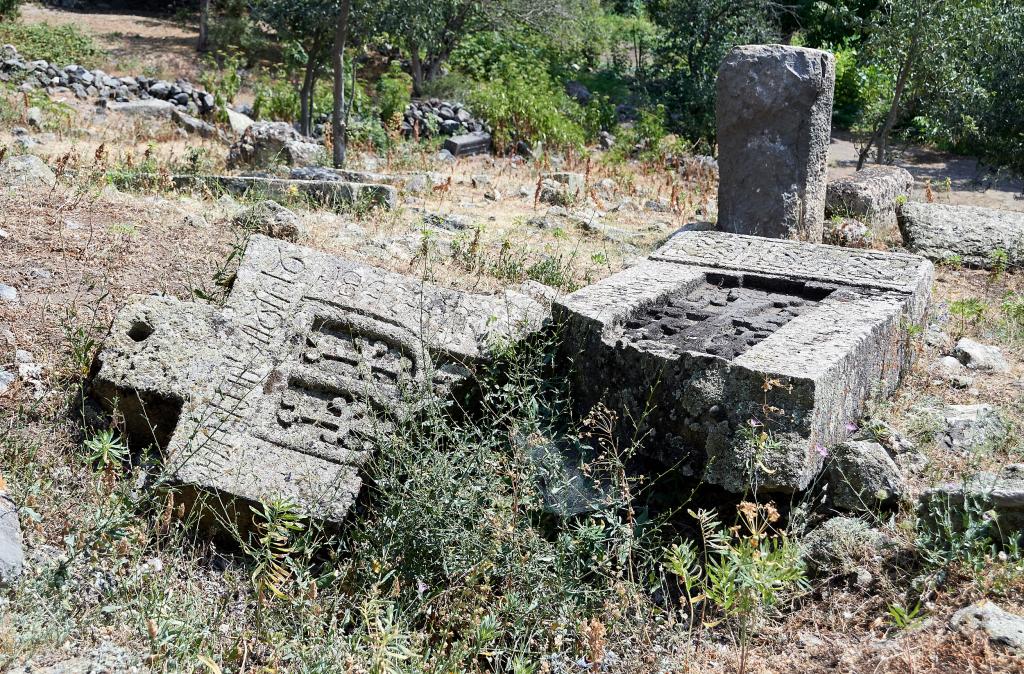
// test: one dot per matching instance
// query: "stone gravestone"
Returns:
(744, 357)
(281, 392)
(774, 114)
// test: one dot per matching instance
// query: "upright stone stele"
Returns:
(774, 111)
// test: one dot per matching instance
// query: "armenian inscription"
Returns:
(284, 390)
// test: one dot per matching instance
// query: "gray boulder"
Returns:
(870, 195)
(26, 171)
(952, 371)
(970, 233)
(1002, 493)
(266, 144)
(774, 115)
(1001, 626)
(845, 546)
(272, 219)
(239, 122)
(972, 428)
(862, 476)
(151, 108)
(12, 557)
(447, 221)
(977, 356)
(194, 125)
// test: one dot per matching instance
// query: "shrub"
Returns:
(394, 91)
(9, 8)
(60, 45)
(520, 101)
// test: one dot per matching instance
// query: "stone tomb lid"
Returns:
(798, 260)
(282, 390)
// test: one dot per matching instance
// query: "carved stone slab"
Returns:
(282, 391)
(742, 358)
(332, 193)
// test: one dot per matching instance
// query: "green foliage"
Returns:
(744, 571)
(394, 91)
(520, 101)
(951, 531)
(61, 44)
(272, 547)
(222, 75)
(697, 35)
(849, 91)
(106, 450)
(903, 618)
(9, 9)
(968, 312)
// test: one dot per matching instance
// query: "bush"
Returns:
(60, 45)
(394, 91)
(9, 8)
(520, 101)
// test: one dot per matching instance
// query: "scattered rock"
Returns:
(1002, 493)
(107, 658)
(846, 232)
(952, 371)
(1001, 626)
(426, 117)
(977, 356)
(193, 125)
(448, 221)
(970, 234)
(972, 428)
(266, 144)
(577, 91)
(8, 294)
(606, 140)
(239, 122)
(862, 476)
(150, 108)
(272, 219)
(34, 117)
(12, 557)
(26, 170)
(481, 180)
(6, 379)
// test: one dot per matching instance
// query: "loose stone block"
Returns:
(329, 193)
(971, 234)
(742, 358)
(468, 144)
(282, 392)
(774, 112)
(870, 195)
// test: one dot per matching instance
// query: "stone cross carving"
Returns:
(744, 357)
(282, 392)
(774, 115)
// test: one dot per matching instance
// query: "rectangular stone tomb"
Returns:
(468, 144)
(330, 193)
(282, 392)
(742, 359)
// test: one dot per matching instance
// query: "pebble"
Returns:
(8, 294)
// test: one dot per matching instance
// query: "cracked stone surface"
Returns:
(281, 392)
(752, 391)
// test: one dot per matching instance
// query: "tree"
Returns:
(697, 35)
(204, 26)
(430, 31)
(339, 118)
(931, 52)
(308, 24)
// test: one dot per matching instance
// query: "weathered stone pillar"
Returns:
(774, 113)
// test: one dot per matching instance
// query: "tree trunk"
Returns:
(881, 136)
(204, 26)
(416, 69)
(306, 94)
(338, 118)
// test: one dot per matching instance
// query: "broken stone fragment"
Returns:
(266, 144)
(1001, 626)
(744, 358)
(12, 557)
(26, 171)
(284, 391)
(976, 236)
(871, 195)
(846, 546)
(271, 219)
(951, 370)
(863, 477)
(1000, 493)
(977, 356)
(972, 428)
